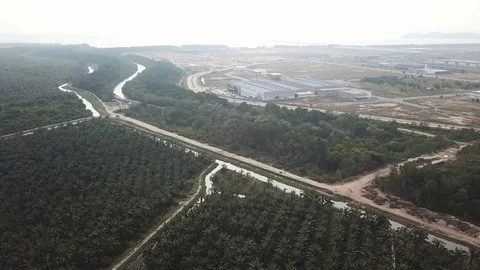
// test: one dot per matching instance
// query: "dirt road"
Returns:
(159, 227)
(354, 191)
(351, 190)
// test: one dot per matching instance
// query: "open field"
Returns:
(463, 76)
(398, 91)
(324, 71)
(457, 111)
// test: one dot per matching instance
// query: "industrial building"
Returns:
(475, 95)
(457, 62)
(282, 87)
(430, 71)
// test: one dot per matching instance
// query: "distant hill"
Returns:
(441, 35)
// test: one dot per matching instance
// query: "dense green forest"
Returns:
(451, 187)
(75, 197)
(112, 69)
(103, 81)
(271, 230)
(29, 95)
(321, 146)
(46, 110)
(26, 78)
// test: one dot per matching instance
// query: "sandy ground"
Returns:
(354, 191)
(456, 111)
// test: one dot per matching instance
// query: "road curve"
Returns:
(192, 83)
(322, 186)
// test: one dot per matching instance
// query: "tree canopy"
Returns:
(319, 145)
(268, 229)
(451, 187)
(29, 95)
(75, 197)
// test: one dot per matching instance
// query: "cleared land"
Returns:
(322, 70)
(456, 110)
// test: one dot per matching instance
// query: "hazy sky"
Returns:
(235, 23)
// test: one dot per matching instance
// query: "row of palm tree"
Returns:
(269, 229)
(75, 197)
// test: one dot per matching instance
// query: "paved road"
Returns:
(31, 131)
(339, 189)
(192, 80)
(193, 85)
(418, 132)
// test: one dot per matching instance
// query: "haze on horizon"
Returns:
(235, 23)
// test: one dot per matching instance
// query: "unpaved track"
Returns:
(79, 120)
(351, 190)
(194, 86)
(159, 227)
(354, 191)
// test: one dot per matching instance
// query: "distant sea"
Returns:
(397, 41)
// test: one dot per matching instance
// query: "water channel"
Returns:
(118, 91)
(221, 164)
(87, 104)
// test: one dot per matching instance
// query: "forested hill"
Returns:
(310, 143)
(451, 187)
(268, 229)
(29, 95)
(75, 197)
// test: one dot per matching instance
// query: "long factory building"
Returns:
(288, 88)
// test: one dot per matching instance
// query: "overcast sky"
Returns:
(231, 22)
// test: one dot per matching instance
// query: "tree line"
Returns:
(75, 197)
(268, 229)
(29, 95)
(319, 145)
(451, 187)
